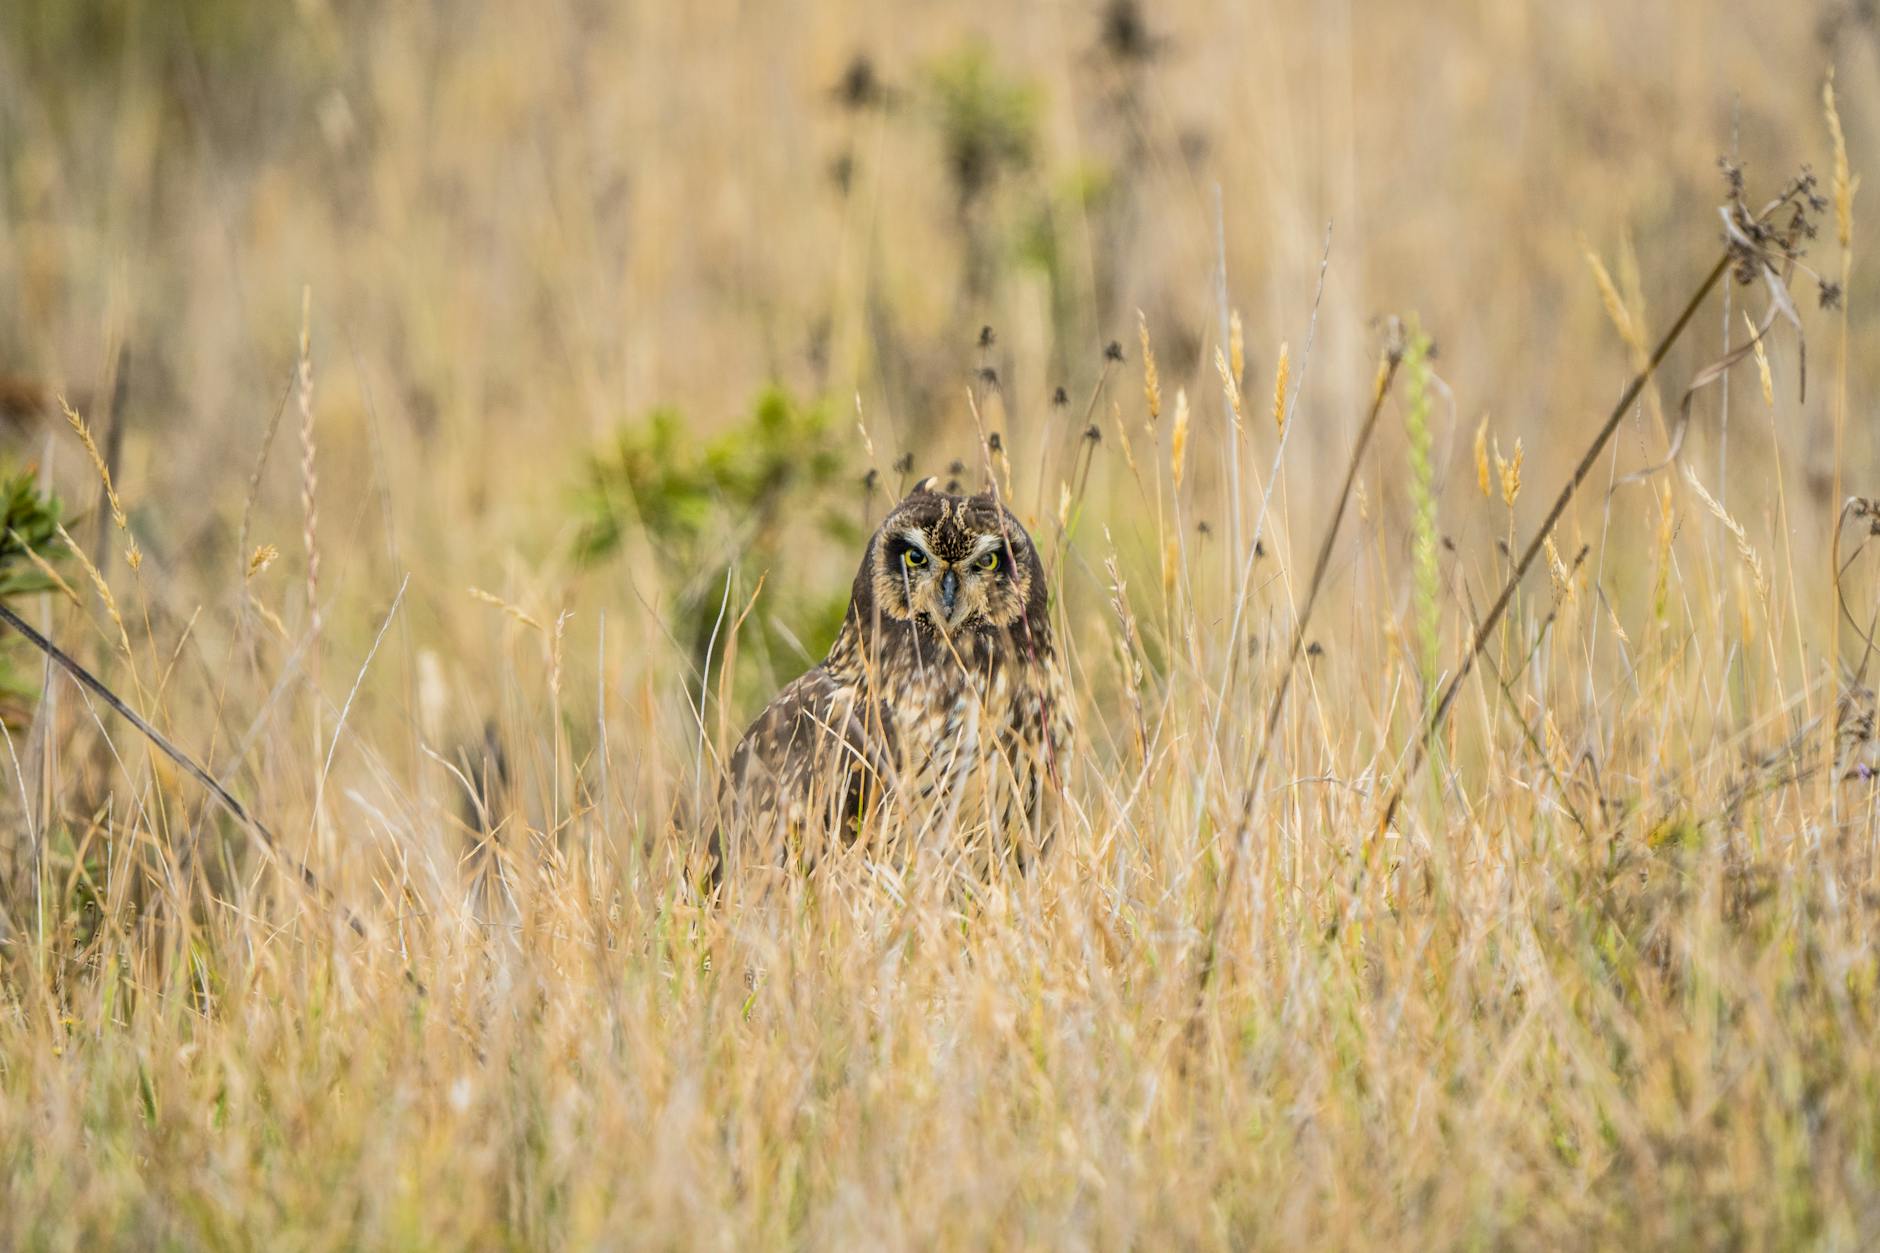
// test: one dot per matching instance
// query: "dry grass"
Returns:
(1608, 976)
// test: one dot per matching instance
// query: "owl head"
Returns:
(951, 565)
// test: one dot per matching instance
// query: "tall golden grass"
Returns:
(1606, 976)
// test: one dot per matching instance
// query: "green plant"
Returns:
(31, 525)
(30, 530)
(734, 499)
(988, 122)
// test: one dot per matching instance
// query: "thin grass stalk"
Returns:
(1237, 851)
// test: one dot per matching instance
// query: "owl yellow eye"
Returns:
(989, 561)
(914, 558)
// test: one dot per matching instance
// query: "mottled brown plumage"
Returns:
(938, 719)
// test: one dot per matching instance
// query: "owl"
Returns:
(939, 719)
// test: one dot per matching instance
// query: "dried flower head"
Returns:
(263, 558)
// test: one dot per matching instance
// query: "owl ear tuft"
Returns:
(929, 486)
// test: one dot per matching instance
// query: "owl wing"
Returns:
(809, 765)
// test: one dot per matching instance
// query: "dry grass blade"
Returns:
(264, 839)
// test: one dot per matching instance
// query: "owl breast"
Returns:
(972, 756)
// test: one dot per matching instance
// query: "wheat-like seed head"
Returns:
(1845, 184)
(490, 598)
(1762, 365)
(1178, 442)
(1558, 571)
(1281, 375)
(1151, 382)
(133, 556)
(44, 567)
(1509, 471)
(1228, 386)
(1744, 548)
(1481, 457)
(103, 589)
(1615, 305)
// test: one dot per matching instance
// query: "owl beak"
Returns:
(949, 591)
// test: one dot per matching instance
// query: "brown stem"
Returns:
(263, 837)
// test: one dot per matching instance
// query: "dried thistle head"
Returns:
(1766, 244)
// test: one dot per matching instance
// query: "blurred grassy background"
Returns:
(616, 309)
(524, 233)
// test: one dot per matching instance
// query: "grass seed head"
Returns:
(1178, 443)
(1280, 379)
(1509, 472)
(1845, 184)
(1151, 381)
(1481, 457)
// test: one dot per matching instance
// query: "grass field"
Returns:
(495, 403)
